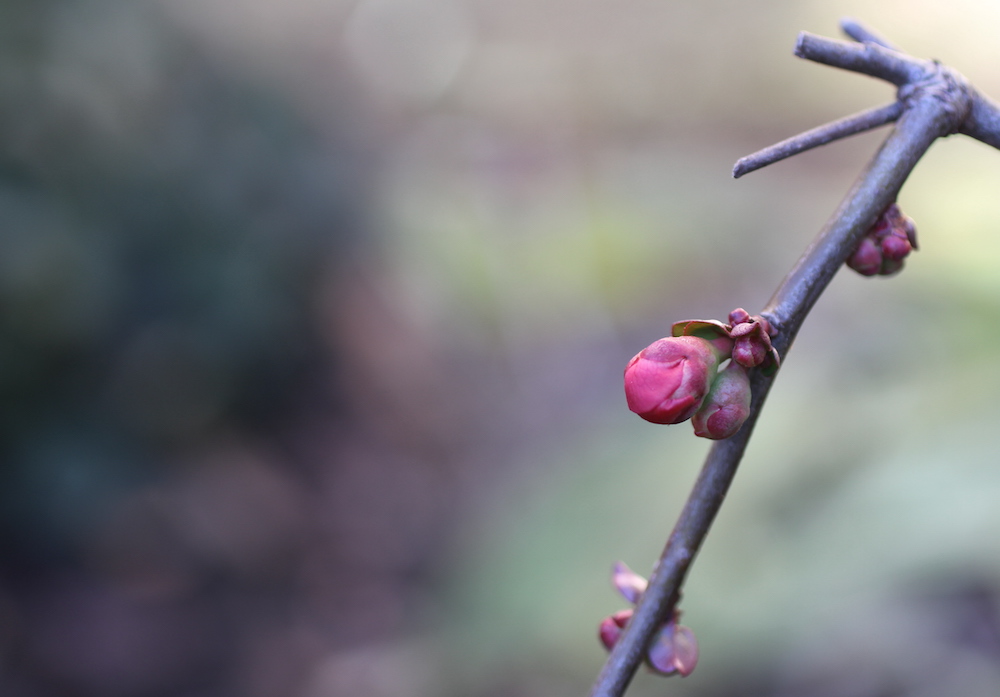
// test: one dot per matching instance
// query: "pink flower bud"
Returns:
(739, 316)
(667, 381)
(895, 247)
(867, 258)
(752, 343)
(887, 243)
(674, 650)
(748, 352)
(751, 337)
(727, 405)
(630, 584)
(611, 628)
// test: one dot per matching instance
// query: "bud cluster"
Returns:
(673, 651)
(883, 248)
(679, 378)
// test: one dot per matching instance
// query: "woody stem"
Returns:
(924, 120)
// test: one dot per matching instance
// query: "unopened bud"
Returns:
(675, 650)
(895, 247)
(667, 381)
(738, 316)
(867, 258)
(751, 341)
(611, 628)
(885, 245)
(727, 405)
(748, 352)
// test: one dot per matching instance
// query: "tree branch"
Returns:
(930, 110)
(859, 32)
(874, 191)
(877, 187)
(983, 121)
(827, 133)
(868, 59)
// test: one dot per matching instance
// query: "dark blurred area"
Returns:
(193, 491)
(312, 323)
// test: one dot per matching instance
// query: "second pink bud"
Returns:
(727, 405)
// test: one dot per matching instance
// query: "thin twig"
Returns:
(869, 59)
(821, 135)
(859, 32)
(928, 115)
(877, 187)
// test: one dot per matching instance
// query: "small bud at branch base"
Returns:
(727, 405)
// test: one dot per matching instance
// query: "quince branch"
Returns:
(933, 101)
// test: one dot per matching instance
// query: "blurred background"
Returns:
(312, 322)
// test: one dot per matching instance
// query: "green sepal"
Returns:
(705, 328)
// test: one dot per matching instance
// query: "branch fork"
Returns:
(916, 79)
(932, 101)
